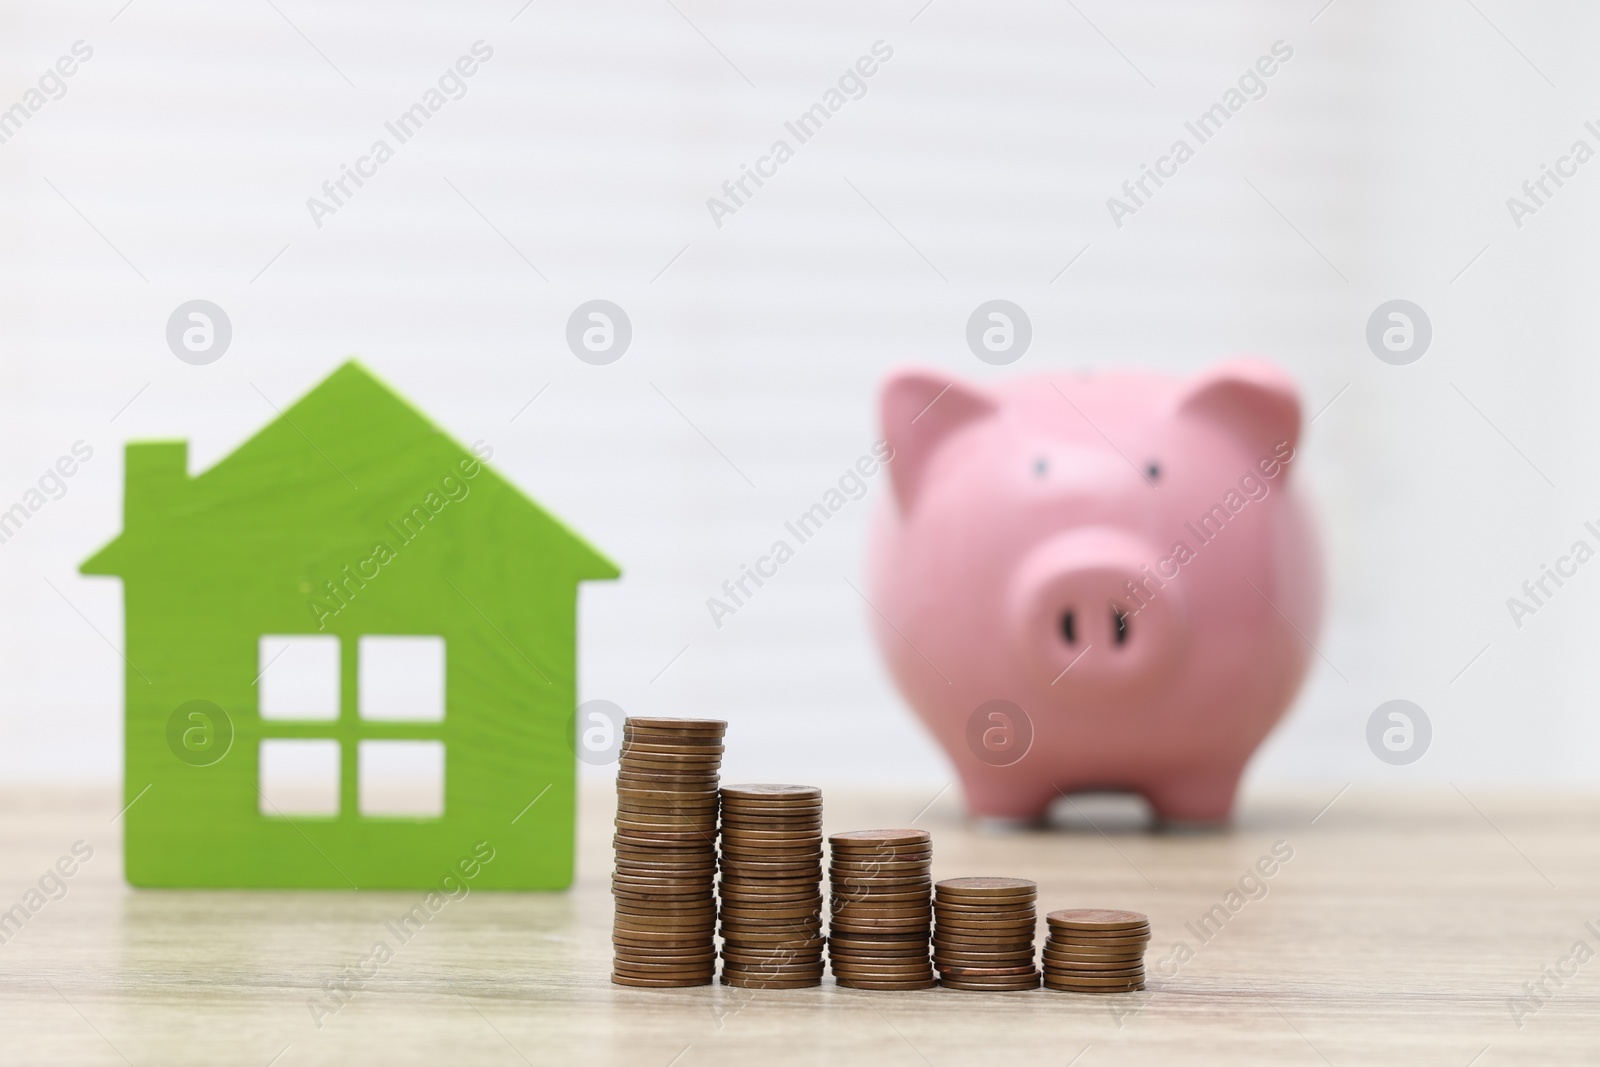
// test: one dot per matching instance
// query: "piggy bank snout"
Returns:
(1089, 617)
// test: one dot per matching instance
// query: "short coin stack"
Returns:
(983, 933)
(666, 845)
(771, 886)
(878, 930)
(1095, 950)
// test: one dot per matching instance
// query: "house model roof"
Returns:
(350, 454)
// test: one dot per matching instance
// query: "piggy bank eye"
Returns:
(1152, 471)
(1040, 467)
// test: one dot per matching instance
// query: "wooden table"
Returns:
(1399, 932)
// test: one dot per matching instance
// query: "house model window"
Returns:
(389, 740)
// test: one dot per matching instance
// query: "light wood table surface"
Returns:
(1398, 933)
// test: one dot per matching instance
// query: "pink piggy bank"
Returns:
(1096, 581)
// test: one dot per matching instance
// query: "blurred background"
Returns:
(176, 163)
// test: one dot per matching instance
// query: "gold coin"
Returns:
(867, 983)
(851, 957)
(988, 972)
(734, 891)
(996, 911)
(1014, 903)
(880, 894)
(642, 899)
(879, 853)
(997, 940)
(786, 926)
(1052, 963)
(752, 982)
(759, 856)
(685, 734)
(871, 838)
(695, 859)
(869, 910)
(868, 849)
(797, 937)
(747, 956)
(812, 813)
(674, 737)
(644, 755)
(1096, 977)
(767, 791)
(847, 941)
(1119, 986)
(686, 908)
(662, 924)
(911, 881)
(775, 911)
(1098, 944)
(635, 745)
(663, 921)
(626, 947)
(772, 967)
(885, 938)
(989, 886)
(668, 776)
(661, 983)
(794, 829)
(773, 866)
(991, 985)
(983, 956)
(694, 775)
(680, 957)
(1133, 974)
(636, 834)
(1097, 919)
(660, 935)
(667, 822)
(662, 722)
(874, 907)
(917, 865)
(879, 927)
(975, 924)
(646, 971)
(757, 973)
(764, 851)
(744, 838)
(652, 800)
(880, 974)
(776, 964)
(629, 885)
(1058, 963)
(770, 890)
(684, 768)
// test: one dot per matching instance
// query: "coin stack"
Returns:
(983, 933)
(1095, 950)
(771, 888)
(878, 928)
(666, 846)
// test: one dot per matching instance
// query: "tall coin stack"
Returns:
(983, 933)
(771, 889)
(666, 846)
(1095, 950)
(878, 928)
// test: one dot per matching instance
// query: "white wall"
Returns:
(991, 141)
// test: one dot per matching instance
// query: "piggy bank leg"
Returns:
(1195, 800)
(1002, 800)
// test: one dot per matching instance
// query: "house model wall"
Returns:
(347, 605)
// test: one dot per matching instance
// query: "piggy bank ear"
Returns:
(920, 410)
(1254, 399)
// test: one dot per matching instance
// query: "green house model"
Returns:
(350, 658)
